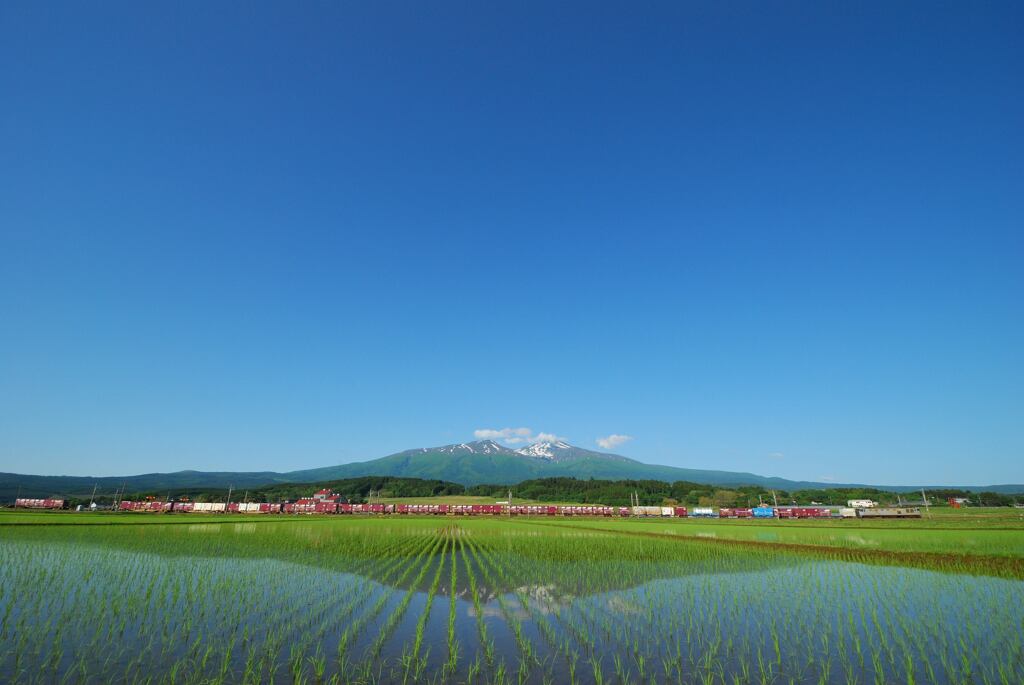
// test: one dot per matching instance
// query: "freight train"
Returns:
(328, 503)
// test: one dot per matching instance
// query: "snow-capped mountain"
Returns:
(468, 463)
(475, 447)
(543, 451)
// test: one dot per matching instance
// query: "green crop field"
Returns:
(215, 599)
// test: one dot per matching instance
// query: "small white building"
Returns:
(861, 503)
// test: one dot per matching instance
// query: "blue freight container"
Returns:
(764, 512)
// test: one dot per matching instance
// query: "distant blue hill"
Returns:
(468, 463)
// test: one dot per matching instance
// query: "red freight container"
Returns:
(35, 503)
(325, 507)
(725, 513)
(183, 506)
(810, 512)
(680, 512)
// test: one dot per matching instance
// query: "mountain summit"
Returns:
(563, 451)
(544, 450)
(475, 447)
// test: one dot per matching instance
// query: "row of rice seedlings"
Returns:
(486, 643)
(528, 658)
(415, 665)
(452, 663)
(407, 566)
(556, 643)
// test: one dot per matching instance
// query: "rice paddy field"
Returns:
(188, 599)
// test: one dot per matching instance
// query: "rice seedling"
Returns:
(356, 601)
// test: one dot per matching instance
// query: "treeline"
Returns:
(358, 490)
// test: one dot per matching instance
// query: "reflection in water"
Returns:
(268, 603)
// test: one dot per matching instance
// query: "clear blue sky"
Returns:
(783, 238)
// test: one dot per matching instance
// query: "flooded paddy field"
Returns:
(481, 601)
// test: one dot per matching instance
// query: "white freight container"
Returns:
(667, 511)
(848, 513)
(646, 511)
(209, 506)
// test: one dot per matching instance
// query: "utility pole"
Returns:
(227, 507)
(93, 497)
(924, 499)
(17, 497)
(775, 499)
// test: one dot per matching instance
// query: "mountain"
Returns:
(467, 463)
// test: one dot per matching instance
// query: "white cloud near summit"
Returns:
(547, 437)
(511, 435)
(613, 441)
(514, 436)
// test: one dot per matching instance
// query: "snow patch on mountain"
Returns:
(476, 447)
(544, 450)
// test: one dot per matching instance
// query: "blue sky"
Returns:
(784, 239)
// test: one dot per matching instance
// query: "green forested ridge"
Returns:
(472, 470)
